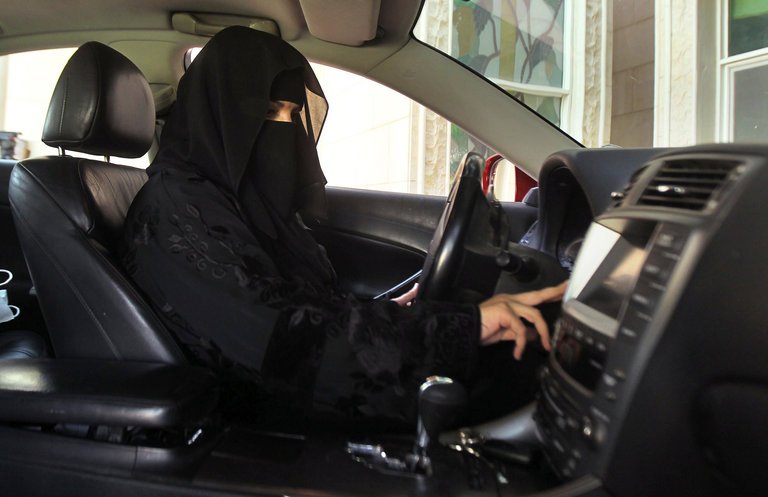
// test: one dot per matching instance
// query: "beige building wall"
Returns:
(365, 141)
(633, 73)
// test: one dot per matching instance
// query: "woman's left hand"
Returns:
(406, 298)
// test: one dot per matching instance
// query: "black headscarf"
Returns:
(219, 130)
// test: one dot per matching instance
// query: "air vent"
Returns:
(687, 183)
(617, 198)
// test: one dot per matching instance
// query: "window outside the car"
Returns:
(744, 69)
(635, 73)
(375, 138)
(524, 47)
(26, 84)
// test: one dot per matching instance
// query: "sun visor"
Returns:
(203, 24)
(347, 22)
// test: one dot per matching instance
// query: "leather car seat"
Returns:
(69, 212)
(21, 344)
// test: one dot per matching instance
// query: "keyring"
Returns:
(10, 276)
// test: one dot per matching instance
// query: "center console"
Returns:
(655, 378)
(613, 298)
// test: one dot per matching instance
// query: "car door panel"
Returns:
(377, 239)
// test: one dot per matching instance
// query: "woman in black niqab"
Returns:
(217, 241)
(219, 120)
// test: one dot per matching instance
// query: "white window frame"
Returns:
(728, 67)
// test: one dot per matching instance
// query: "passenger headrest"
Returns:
(102, 105)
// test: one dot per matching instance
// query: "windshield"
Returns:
(623, 72)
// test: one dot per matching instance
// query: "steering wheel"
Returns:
(470, 256)
(443, 263)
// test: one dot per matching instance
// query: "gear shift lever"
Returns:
(441, 402)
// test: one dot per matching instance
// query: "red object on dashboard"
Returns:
(523, 182)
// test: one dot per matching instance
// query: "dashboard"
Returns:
(658, 374)
(575, 187)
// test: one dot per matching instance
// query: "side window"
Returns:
(375, 138)
(27, 81)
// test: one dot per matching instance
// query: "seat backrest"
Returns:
(69, 212)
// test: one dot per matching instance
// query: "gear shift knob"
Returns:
(441, 402)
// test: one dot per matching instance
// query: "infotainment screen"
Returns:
(607, 269)
(598, 242)
(604, 276)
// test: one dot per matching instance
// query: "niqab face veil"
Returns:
(270, 170)
(218, 125)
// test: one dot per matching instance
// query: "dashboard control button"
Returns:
(656, 268)
(609, 380)
(645, 296)
(572, 423)
(558, 445)
(641, 299)
(671, 238)
(560, 422)
(601, 347)
(634, 323)
(628, 333)
(576, 454)
(600, 415)
(666, 240)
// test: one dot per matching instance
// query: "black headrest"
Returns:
(102, 105)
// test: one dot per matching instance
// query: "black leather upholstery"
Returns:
(105, 393)
(21, 345)
(69, 212)
(101, 105)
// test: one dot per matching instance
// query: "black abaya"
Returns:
(238, 278)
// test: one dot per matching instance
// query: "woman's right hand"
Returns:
(501, 317)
